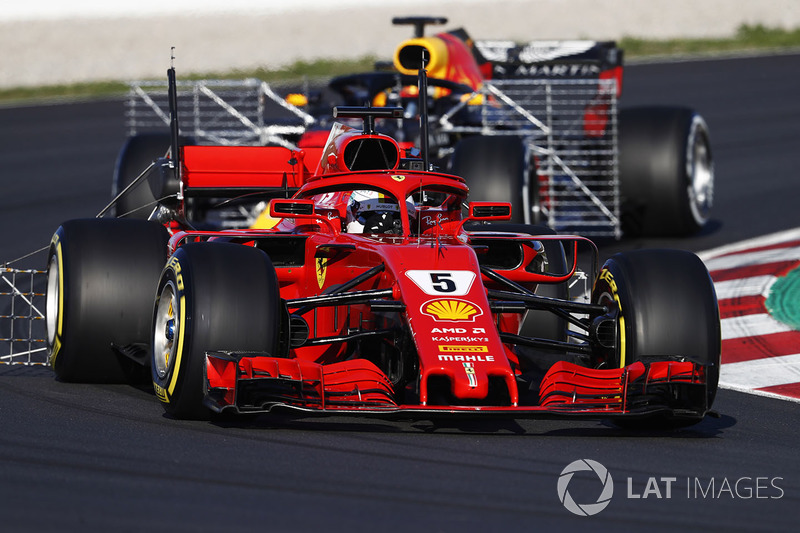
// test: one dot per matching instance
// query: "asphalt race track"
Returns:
(104, 457)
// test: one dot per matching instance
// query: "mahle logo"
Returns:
(585, 509)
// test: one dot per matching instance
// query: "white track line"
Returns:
(756, 392)
(760, 373)
(763, 257)
(766, 240)
(736, 288)
(748, 376)
(755, 325)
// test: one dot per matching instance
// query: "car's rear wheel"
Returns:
(211, 296)
(134, 157)
(667, 309)
(499, 169)
(666, 171)
(102, 274)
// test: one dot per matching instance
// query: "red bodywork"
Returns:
(416, 328)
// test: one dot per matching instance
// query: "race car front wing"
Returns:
(252, 382)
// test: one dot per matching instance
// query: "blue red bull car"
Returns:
(376, 289)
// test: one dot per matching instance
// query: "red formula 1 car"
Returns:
(378, 290)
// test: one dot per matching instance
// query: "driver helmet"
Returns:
(373, 212)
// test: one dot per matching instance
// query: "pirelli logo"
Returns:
(462, 348)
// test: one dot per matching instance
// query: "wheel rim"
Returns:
(700, 169)
(607, 295)
(53, 309)
(165, 330)
(614, 358)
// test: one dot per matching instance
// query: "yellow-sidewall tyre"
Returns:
(211, 296)
(102, 275)
(667, 309)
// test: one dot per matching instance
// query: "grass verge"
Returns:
(747, 38)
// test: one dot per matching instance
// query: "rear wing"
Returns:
(234, 170)
(549, 59)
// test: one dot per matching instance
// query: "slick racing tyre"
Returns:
(666, 171)
(136, 155)
(101, 277)
(211, 296)
(498, 169)
(667, 309)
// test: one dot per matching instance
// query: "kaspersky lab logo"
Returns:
(590, 508)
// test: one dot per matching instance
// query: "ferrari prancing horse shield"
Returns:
(322, 267)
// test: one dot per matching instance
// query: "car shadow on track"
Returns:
(711, 426)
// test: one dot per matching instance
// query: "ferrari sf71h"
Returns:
(375, 289)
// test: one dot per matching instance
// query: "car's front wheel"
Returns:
(667, 311)
(211, 296)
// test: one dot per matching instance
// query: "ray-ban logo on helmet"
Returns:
(592, 507)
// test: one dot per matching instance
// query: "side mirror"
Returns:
(280, 208)
(163, 182)
(485, 211)
(300, 209)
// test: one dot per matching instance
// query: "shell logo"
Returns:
(451, 310)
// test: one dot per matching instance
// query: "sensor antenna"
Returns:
(173, 115)
(422, 84)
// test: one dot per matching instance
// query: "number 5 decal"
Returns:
(442, 282)
(438, 282)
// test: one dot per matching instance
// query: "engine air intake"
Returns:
(370, 153)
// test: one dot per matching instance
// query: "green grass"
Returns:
(73, 90)
(300, 70)
(306, 69)
(747, 38)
